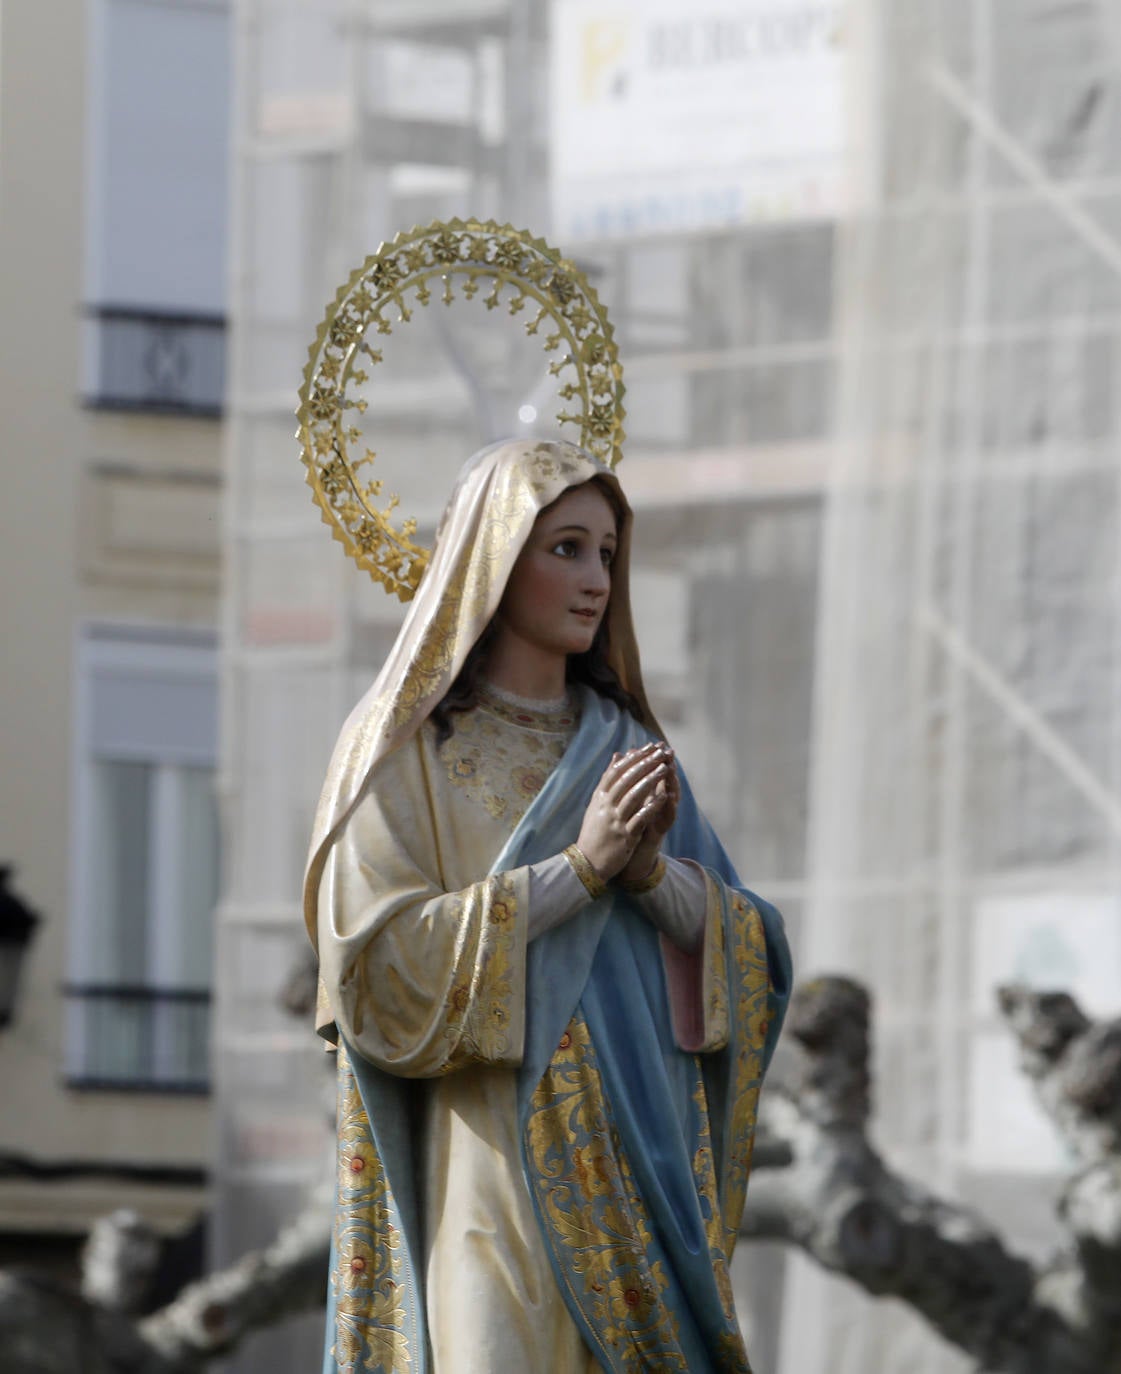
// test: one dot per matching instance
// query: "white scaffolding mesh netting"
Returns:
(966, 817)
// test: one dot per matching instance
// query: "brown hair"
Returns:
(591, 668)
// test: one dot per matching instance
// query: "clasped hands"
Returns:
(631, 810)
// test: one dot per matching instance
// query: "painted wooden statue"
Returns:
(553, 999)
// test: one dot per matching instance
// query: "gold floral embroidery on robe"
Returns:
(585, 1187)
(367, 1279)
(752, 983)
(479, 1006)
(501, 755)
(479, 1017)
(715, 973)
(592, 1206)
(733, 1353)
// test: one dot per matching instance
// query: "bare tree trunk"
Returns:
(264, 1287)
(841, 1203)
(45, 1329)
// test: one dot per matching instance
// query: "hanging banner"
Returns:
(668, 117)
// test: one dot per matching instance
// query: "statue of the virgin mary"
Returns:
(553, 999)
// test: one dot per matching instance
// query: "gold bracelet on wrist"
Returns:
(649, 883)
(593, 883)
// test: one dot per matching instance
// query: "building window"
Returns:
(146, 860)
(156, 232)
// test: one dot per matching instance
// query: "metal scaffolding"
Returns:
(967, 762)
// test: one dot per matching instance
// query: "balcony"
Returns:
(156, 362)
(138, 1039)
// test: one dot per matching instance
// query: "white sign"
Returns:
(671, 116)
(1065, 941)
(1051, 940)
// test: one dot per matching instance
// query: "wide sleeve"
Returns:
(422, 981)
(697, 978)
(739, 976)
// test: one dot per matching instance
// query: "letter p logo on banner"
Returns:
(605, 41)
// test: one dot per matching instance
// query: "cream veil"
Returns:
(497, 497)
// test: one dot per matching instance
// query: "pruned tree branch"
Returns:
(266, 1286)
(1074, 1065)
(46, 1329)
(843, 1204)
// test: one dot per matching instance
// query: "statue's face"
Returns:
(557, 592)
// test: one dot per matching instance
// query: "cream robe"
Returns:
(416, 850)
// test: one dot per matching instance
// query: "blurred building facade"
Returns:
(113, 156)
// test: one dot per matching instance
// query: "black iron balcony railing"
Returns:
(138, 1038)
(164, 362)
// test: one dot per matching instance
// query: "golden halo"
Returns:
(475, 255)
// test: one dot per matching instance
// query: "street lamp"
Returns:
(17, 922)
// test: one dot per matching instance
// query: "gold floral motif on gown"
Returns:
(587, 1192)
(720, 1243)
(366, 1283)
(751, 984)
(502, 752)
(477, 1017)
